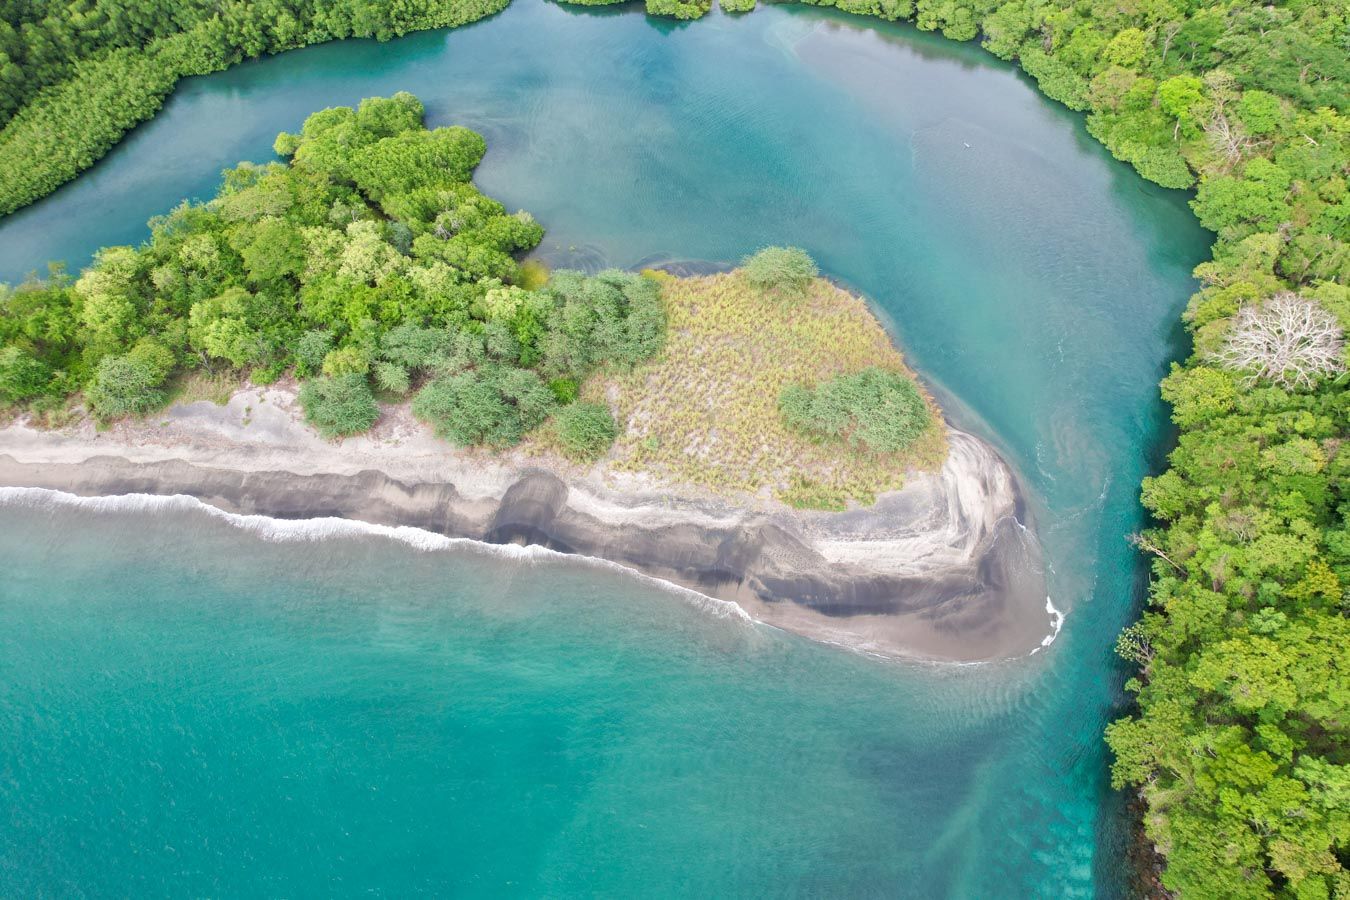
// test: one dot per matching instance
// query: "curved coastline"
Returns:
(944, 569)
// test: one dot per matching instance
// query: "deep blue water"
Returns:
(187, 708)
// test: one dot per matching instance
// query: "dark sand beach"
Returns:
(944, 569)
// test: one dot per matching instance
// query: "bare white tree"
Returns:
(1288, 340)
(1231, 144)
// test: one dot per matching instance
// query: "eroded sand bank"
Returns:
(944, 569)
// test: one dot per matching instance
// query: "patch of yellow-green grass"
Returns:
(50, 413)
(706, 411)
(198, 385)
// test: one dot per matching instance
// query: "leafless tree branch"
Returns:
(1148, 545)
(1228, 139)
(1288, 340)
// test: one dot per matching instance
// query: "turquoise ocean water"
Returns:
(194, 705)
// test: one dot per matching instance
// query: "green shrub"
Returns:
(876, 409)
(392, 378)
(310, 351)
(268, 374)
(339, 406)
(492, 406)
(586, 430)
(22, 377)
(786, 269)
(415, 348)
(345, 361)
(614, 318)
(292, 265)
(565, 390)
(126, 385)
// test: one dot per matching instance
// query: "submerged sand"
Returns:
(944, 569)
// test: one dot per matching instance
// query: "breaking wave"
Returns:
(328, 527)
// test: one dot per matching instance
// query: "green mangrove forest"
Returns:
(74, 78)
(347, 264)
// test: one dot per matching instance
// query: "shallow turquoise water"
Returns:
(187, 708)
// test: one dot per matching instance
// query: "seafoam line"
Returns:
(328, 527)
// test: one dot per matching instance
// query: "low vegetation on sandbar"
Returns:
(741, 358)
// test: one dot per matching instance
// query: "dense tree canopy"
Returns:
(368, 263)
(75, 77)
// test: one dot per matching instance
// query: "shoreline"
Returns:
(944, 569)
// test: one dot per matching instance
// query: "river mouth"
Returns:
(1033, 281)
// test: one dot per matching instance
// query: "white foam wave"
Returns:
(328, 527)
(1056, 623)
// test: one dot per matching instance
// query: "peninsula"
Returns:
(351, 335)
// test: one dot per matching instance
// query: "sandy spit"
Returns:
(945, 569)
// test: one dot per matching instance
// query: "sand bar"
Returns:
(945, 569)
